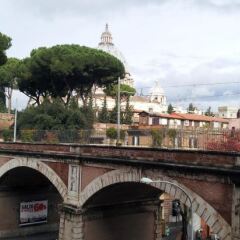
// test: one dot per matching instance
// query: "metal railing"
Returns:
(206, 139)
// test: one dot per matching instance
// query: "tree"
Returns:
(157, 137)
(209, 112)
(127, 119)
(5, 43)
(103, 116)
(191, 108)
(125, 91)
(170, 109)
(172, 133)
(55, 116)
(2, 101)
(61, 70)
(9, 72)
(113, 114)
(112, 133)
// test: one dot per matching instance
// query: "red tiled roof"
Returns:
(196, 117)
(188, 116)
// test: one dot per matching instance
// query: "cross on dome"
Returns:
(106, 27)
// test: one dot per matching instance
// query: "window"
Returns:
(193, 142)
(135, 141)
(163, 121)
(155, 121)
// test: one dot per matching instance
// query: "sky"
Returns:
(192, 47)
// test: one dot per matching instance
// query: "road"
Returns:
(43, 236)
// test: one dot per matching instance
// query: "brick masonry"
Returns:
(206, 189)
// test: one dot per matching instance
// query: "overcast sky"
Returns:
(178, 42)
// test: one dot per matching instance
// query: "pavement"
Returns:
(43, 236)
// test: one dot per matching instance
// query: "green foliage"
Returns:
(157, 137)
(60, 70)
(111, 133)
(55, 116)
(172, 133)
(9, 72)
(191, 108)
(103, 116)
(5, 43)
(27, 135)
(113, 114)
(7, 135)
(125, 91)
(127, 119)
(209, 112)
(2, 101)
(170, 109)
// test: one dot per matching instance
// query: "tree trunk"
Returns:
(9, 98)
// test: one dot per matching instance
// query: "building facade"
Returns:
(155, 102)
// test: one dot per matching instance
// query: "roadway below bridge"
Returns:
(39, 236)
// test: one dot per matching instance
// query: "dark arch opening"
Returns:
(123, 192)
(117, 194)
(23, 185)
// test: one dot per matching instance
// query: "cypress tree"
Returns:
(113, 114)
(170, 109)
(128, 113)
(103, 116)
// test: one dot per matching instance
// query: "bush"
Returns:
(172, 133)
(111, 133)
(157, 137)
(7, 135)
(27, 135)
(56, 116)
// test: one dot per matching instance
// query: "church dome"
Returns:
(157, 94)
(107, 45)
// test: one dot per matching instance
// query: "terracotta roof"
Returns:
(188, 116)
(196, 117)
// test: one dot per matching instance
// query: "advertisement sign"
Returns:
(33, 212)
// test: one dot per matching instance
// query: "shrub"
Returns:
(172, 133)
(157, 137)
(7, 135)
(27, 135)
(111, 133)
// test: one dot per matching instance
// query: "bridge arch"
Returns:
(215, 221)
(39, 166)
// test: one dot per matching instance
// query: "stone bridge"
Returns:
(101, 195)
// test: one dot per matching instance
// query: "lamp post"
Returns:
(118, 113)
(148, 181)
(15, 125)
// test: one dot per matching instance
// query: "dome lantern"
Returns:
(106, 37)
(107, 45)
